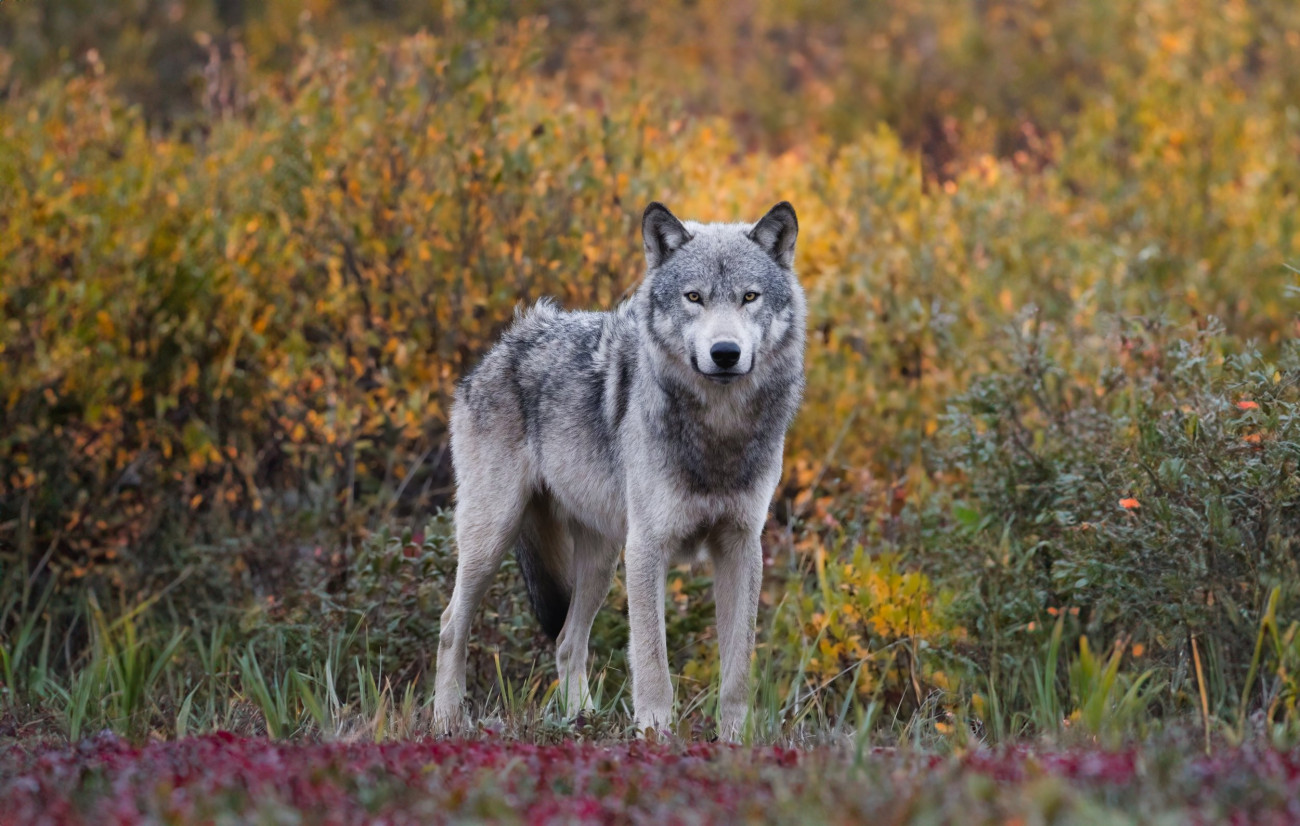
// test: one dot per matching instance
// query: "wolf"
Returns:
(656, 429)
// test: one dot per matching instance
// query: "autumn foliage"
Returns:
(107, 780)
(234, 307)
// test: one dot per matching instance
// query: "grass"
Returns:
(144, 679)
(143, 686)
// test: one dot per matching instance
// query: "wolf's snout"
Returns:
(725, 354)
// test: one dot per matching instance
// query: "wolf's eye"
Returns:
(751, 296)
(693, 297)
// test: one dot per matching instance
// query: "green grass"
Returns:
(144, 678)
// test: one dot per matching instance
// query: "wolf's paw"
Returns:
(731, 729)
(655, 734)
(448, 720)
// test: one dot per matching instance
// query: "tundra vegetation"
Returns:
(1041, 503)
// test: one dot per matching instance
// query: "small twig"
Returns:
(834, 449)
(31, 580)
(410, 474)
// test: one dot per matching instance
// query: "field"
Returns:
(1036, 553)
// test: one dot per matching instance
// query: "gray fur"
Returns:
(581, 433)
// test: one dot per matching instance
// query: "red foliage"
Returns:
(106, 780)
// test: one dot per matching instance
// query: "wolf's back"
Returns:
(539, 396)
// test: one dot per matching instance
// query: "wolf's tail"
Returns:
(544, 555)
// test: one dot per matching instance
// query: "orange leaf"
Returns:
(1129, 504)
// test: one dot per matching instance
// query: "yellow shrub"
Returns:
(865, 613)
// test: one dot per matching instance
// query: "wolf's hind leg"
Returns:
(737, 580)
(487, 525)
(594, 561)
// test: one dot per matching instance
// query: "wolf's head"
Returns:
(722, 298)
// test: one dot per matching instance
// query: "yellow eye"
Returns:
(751, 296)
(693, 297)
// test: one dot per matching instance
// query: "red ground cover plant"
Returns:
(223, 778)
(108, 780)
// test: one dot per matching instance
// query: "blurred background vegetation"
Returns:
(1045, 471)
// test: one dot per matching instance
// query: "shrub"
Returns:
(1157, 502)
(861, 626)
(231, 328)
(267, 325)
(253, 326)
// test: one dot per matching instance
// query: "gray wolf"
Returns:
(656, 428)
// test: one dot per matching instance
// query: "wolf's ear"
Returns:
(662, 233)
(775, 233)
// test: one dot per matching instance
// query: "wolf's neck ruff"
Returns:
(658, 426)
(717, 439)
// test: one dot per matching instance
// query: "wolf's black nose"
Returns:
(725, 354)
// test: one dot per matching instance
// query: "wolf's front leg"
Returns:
(652, 687)
(737, 580)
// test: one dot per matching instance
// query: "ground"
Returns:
(221, 778)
